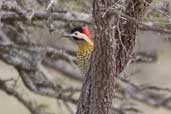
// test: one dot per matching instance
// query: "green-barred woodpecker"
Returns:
(81, 36)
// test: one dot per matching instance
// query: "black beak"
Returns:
(67, 36)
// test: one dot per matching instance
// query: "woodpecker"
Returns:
(81, 36)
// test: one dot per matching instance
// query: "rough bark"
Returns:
(113, 45)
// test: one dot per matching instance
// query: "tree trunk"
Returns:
(113, 44)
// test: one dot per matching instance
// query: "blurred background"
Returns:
(150, 69)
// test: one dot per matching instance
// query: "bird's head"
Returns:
(80, 35)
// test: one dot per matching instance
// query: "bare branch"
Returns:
(149, 95)
(18, 14)
(28, 103)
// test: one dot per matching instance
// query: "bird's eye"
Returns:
(76, 33)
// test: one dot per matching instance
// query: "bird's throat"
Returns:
(85, 48)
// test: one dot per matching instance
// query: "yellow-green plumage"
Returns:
(83, 55)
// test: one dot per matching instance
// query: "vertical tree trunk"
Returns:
(113, 45)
